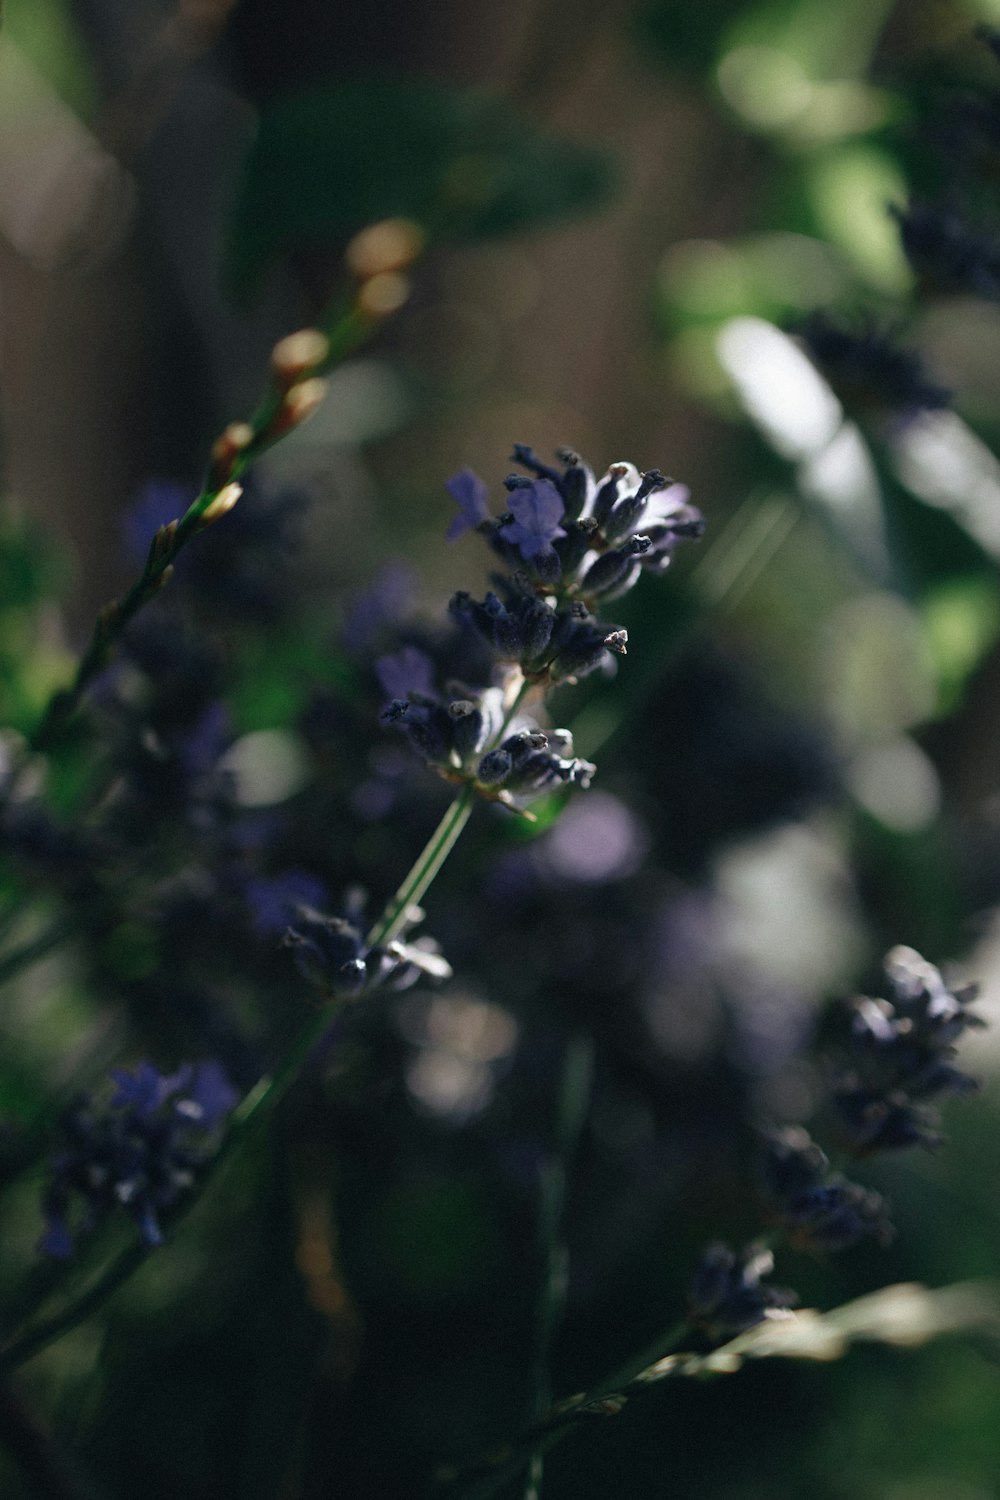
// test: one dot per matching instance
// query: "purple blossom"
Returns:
(407, 671)
(537, 508)
(471, 496)
(208, 1095)
(144, 1090)
(140, 1153)
(382, 606)
(272, 901)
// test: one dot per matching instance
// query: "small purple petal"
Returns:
(56, 1242)
(211, 1094)
(404, 672)
(472, 497)
(272, 902)
(149, 1229)
(143, 1090)
(666, 502)
(537, 509)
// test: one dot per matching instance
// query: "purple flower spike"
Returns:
(472, 497)
(537, 508)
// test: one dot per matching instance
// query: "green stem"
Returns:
(422, 875)
(272, 1088)
(572, 1109)
(501, 1470)
(20, 1350)
(345, 329)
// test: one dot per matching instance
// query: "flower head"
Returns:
(138, 1153)
(728, 1293)
(899, 1055)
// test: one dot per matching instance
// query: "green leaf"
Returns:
(327, 161)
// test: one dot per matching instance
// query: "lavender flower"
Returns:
(821, 1211)
(471, 496)
(331, 953)
(571, 544)
(728, 1294)
(537, 509)
(140, 1152)
(899, 1055)
(868, 369)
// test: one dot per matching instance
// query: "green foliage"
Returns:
(327, 161)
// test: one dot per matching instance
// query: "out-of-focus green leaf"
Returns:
(46, 33)
(962, 620)
(327, 161)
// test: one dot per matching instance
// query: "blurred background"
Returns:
(631, 208)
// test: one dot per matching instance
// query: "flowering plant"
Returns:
(364, 1018)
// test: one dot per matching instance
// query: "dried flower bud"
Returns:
(221, 504)
(299, 403)
(391, 245)
(226, 449)
(298, 355)
(383, 294)
(162, 541)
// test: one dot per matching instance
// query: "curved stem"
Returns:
(493, 1474)
(572, 1108)
(272, 1088)
(20, 1350)
(345, 330)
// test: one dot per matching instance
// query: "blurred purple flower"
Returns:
(144, 1090)
(406, 671)
(272, 901)
(208, 1095)
(385, 604)
(472, 497)
(157, 503)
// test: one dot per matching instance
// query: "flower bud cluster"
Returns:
(572, 544)
(140, 1153)
(553, 645)
(331, 953)
(868, 370)
(469, 736)
(900, 1053)
(458, 737)
(820, 1210)
(728, 1294)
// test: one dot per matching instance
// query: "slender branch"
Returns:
(572, 1107)
(281, 410)
(268, 1092)
(19, 1351)
(491, 1475)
